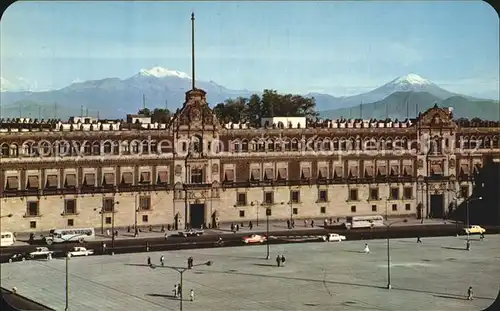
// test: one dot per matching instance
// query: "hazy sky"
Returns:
(336, 47)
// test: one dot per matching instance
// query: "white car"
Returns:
(475, 229)
(191, 232)
(41, 251)
(80, 251)
(333, 237)
(254, 238)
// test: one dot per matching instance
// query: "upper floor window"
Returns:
(196, 176)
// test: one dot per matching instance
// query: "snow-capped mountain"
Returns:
(19, 84)
(113, 97)
(409, 83)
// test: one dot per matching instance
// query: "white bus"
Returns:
(8, 239)
(353, 222)
(70, 235)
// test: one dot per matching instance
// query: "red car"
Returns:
(254, 238)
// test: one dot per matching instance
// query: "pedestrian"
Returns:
(325, 223)
(175, 291)
(293, 223)
(103, 247)
(179, 290)
(470, 293)
(312, 223)
(232, 227)
(49, 256)
(278, 260)
(108, 233)
(467, 245)
(162, 260)
(419, 240)
(481, 236)
(128, 229)
(305, 223)
(367, 249)
(191, 294)
(237, 227)
(282, 260)
(149, 261)
(288, 224)
(250, 225)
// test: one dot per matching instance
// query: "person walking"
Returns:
(191, 294)
(175, 291)
(162, 260)
(419, 240)
(149, 261)
(467, 245)
(179, 290)
(278, 260)
(367, 249)
(283, 260)
(470, 293)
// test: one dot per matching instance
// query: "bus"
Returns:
(353, 222)
(80, 235)
(8, 239)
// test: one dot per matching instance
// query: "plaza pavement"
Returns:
(433, 275)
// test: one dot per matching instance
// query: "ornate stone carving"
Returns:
(178, 170)
(420, 163)
(452, 163)
(215, 168)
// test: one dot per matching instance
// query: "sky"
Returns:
(339, 48)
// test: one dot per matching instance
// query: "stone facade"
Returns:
(194, 171)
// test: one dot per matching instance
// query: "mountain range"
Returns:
(160, 87)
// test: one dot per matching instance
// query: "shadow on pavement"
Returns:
(171, 297)
(264, 265)
(451, 297)
(446, 295)
(455, 248)
(156, 266)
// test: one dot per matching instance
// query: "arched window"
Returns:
(14, 150)
(5, 150)
(244, 145)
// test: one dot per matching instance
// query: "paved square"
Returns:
(433, 275)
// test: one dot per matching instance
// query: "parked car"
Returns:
(80, 251)
(18, 257)
(333, 237)
(254, 238)
(191, 232)
(475, 229)
(40, 251)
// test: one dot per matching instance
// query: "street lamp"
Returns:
(113, 225)
(101, 211)
(258, 207)
(181, 272)
(268, 213)
(66, 308)
(389, 286)
(7, 216)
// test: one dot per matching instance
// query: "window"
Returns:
(71, 222)
(32, 209)
(269, 197)
(353, 209)
(353, 194)
(108, 220)
(242, 213)
(464, 191)
(241, 199)
(394, 207)
(295, 211)
(394, 193)
(407, 206)
(323, 210)
(196, 176)
(408, 193)
(70, 207)
(374, 208)
(323, 196)
(107, 205)
(374, 194)
(145, 203)
(295, 196)
(32, 224)
(145, 218)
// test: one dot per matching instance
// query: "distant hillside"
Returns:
(401, 105)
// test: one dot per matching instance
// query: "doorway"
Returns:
(196, 215)
(437, 206)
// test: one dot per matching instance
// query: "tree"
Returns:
(271, 104)
(158, 115)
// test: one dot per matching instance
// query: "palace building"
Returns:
(194, 171)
